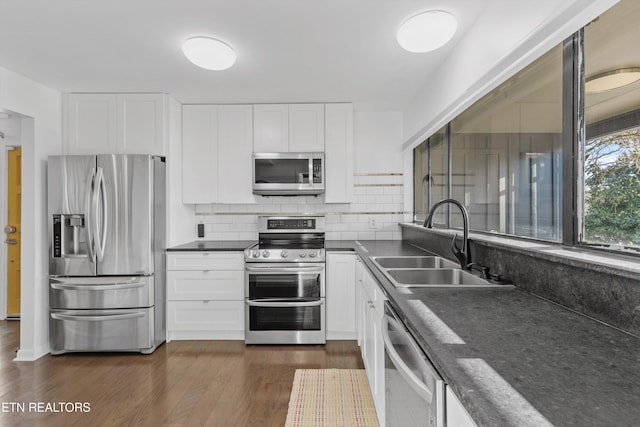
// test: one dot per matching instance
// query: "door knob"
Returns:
(11, 242)
(9, 229)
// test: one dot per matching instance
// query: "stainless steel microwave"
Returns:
(288, 174)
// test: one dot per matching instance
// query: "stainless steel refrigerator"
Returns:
(106, 218)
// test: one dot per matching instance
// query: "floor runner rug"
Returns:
(331, 397)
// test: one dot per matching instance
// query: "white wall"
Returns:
(481, 61)
(377, 142)
(378, 194)
(41, 136)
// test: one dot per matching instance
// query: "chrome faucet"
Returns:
(463, 255)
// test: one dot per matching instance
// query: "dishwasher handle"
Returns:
(419, 386)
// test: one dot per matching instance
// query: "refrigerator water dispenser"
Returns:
(69, 236)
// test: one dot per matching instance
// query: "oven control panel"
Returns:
(285, 255)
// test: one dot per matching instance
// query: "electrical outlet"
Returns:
(373, 223)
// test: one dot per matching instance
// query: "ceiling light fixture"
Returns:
(613, 79)
(427, 31)
(209, 53)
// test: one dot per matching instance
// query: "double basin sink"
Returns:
(429, 271)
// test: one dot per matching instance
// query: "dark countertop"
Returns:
(213, 245)
(514, 359)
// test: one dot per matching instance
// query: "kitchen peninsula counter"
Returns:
(514, 359)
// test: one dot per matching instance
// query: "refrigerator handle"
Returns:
(100, 201)
(89, 215)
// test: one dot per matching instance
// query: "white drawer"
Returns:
(205, 261)
(223, 316)
(221, 285)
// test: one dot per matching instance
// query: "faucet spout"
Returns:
(462, 254)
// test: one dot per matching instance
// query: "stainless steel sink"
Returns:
(413, 262)
(429, 271)
(448, 277)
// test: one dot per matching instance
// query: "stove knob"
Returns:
(266, 254)
(303, 254)
(312, 254)
(255, 254)
(284, 254)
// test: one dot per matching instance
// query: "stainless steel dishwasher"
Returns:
(414, 392)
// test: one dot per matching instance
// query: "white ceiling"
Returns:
(288, 50)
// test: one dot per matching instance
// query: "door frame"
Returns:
(3, 221)
(7, 144)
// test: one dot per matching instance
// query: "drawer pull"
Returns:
(57, 316)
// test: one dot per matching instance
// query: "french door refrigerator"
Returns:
(106, 218)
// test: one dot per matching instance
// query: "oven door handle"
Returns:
(280, 270)
(285, 304)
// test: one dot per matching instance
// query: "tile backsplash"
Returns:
(375, 213)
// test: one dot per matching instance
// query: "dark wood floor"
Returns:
(183, 383)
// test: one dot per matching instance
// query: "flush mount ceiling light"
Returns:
(427, 31)
(613, 79)
(209, 53)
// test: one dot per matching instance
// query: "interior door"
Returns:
(12, 230)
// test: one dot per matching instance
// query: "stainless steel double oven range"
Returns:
(285, 282)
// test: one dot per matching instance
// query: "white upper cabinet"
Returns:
(281, 128)
(270, 128)
(338, 155)
(217, 144)
(141, 123)
(105, 123)
(235, 147)
(89, 124)
(199, 153)
(306, 127)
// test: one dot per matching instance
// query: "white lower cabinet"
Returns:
(205, 319)
(370, 311)
(341, 296)
(457, 416)
(205, 293)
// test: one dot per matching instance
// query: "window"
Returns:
(503, 156)
(611, 167)
(612, 190)
(431, 179)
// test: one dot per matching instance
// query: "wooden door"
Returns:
(12, 230)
